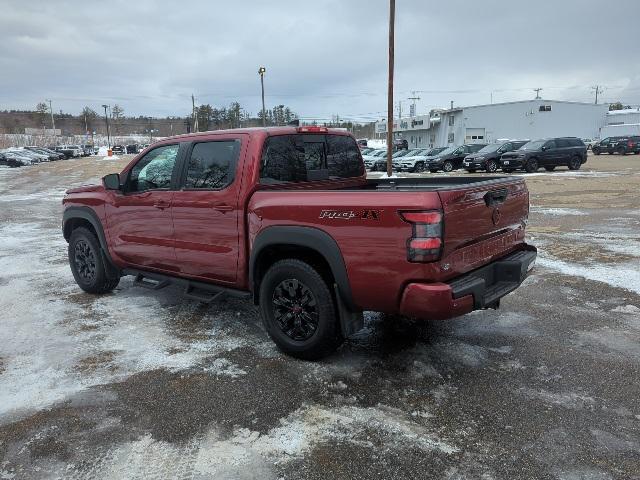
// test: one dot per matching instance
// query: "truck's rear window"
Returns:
(307, 158)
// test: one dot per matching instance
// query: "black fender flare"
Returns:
(309, 237)
(90, 216)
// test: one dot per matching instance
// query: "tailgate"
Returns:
(482, 223)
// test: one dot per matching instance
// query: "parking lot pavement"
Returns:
(146, 384)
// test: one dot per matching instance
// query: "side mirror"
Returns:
(111, 181)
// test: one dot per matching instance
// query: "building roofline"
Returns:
(542, 100)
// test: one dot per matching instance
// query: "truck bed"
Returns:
(433, 184)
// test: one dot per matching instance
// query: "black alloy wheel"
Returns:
(85, 261)
(295, 309)
(492, 166)
(298, 310)
(447, 166)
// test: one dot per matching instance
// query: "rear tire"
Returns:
(298, 310)
(87, 263)
(532, 165)
(575, 163)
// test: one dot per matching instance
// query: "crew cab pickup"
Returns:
(286, 216)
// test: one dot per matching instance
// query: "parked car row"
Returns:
(508, 155)
(620, 145)
(23, 156)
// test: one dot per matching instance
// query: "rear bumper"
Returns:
(481, 288)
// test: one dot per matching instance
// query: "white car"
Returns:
(418, 162)
(371, 157)
(35, 157)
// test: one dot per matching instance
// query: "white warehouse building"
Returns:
(622, 122)
(523, 120)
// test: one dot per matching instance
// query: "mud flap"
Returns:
(350, 322)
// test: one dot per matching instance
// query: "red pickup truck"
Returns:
(287, 217)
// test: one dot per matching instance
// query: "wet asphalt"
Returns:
(147, 384)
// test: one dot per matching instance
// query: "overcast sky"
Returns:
(323, 57)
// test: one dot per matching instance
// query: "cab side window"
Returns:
(154, 170)
(212, 165)
(550, 145)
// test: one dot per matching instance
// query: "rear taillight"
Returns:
(630, 144)
(425, 244)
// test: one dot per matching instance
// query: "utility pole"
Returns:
(194, 114)
(106, 119)
(261, 72)
(412, 112)
(598, 89)
(53, 123)
(392, 20)
(538, 90)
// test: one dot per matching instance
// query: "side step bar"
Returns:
(200, 291)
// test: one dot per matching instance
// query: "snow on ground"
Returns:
(625, 276)
(376, 143)
(559, 212)
(113, 336)
(249, 454)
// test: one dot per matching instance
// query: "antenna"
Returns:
(538, 90)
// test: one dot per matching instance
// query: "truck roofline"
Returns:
(252, 130)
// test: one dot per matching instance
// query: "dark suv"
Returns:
(621, 145)
(451, 158)
(488, 158)
(548, 153)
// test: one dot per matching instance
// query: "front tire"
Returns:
(419, 168)
(298, 310)
(596, 151)
(531, 166)
(447, 166)
(88, 264)
(492, 166)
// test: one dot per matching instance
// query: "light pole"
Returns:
(106, 119)
(261, 72)
(53, 124)
(392, 19)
